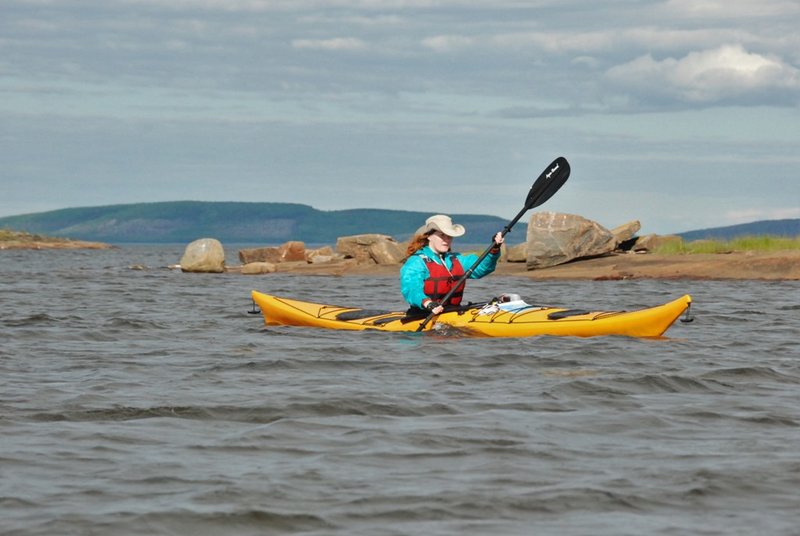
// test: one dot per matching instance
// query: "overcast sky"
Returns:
(683, 114)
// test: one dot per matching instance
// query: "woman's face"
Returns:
(440, 242)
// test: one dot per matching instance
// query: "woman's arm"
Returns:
(412, 280)
(486, 267)
(488, 264)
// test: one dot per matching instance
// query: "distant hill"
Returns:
(274, 223)
(790, 228)
(258, 223)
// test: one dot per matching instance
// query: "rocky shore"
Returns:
(775, 266)
(743, 265)
(23, 240)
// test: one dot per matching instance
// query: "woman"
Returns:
(431, 269)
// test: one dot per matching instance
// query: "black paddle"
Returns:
(543, 189)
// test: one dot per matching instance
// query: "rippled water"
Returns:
(147, 401)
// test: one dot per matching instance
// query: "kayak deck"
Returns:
(515, 319)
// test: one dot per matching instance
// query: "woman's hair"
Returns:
(416, 243)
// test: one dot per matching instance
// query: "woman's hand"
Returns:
(434, 307)
(498, 241)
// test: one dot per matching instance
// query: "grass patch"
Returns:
(743, 243)
(7, 235)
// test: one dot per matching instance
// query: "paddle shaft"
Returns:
(543, 189)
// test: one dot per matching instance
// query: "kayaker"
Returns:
(431, 269)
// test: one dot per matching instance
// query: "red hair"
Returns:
(418, 242)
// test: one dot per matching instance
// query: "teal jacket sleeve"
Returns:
(486, 267)
(413, 274)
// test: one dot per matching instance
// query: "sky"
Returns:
(682, 114)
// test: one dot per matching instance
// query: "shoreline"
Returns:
(737, 265)
(55, 245)
(772, 266)
(23, 240)
(749, 265)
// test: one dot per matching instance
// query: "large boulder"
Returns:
(370, 249)
(293, 251)
(322, 255)
(204, 255)
(626, 231)
(555, 238)
(626, 235)
(264, 254)
(286, 252)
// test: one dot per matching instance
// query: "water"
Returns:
(147, 401)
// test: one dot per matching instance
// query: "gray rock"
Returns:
(287, 252)
(517, 253)
(322, 259)
(255, 268)
(652, 242)
(264, 254)
(555, 238)
(370, 249)
(293, 250)
(204, 255)
(322, 255)
(626, 231)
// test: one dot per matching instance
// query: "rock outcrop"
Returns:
(258, 267)
(265, 254)
(554, 238)
(22, 240)
(204, 255)
(626, 232)
(293, 251)
(371, 249)
(516, 253)
(652, 242)
(322, 255)
(286, 252)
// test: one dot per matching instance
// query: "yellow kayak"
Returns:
(507, 316)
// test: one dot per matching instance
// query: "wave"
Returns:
(751, 374)
(38, 319)
(183, 521)
(255, 414)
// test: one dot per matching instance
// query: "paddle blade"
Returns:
(548, 183)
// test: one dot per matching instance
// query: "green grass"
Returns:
(7, 235)
(744, 243)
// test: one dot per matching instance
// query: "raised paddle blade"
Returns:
(548, 183)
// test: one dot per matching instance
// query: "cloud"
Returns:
(728, 9)
(356, 20)
(748, 215)
(610, 43)
(294, 5)
(337, 43)
(448, 43)
(728, 74)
